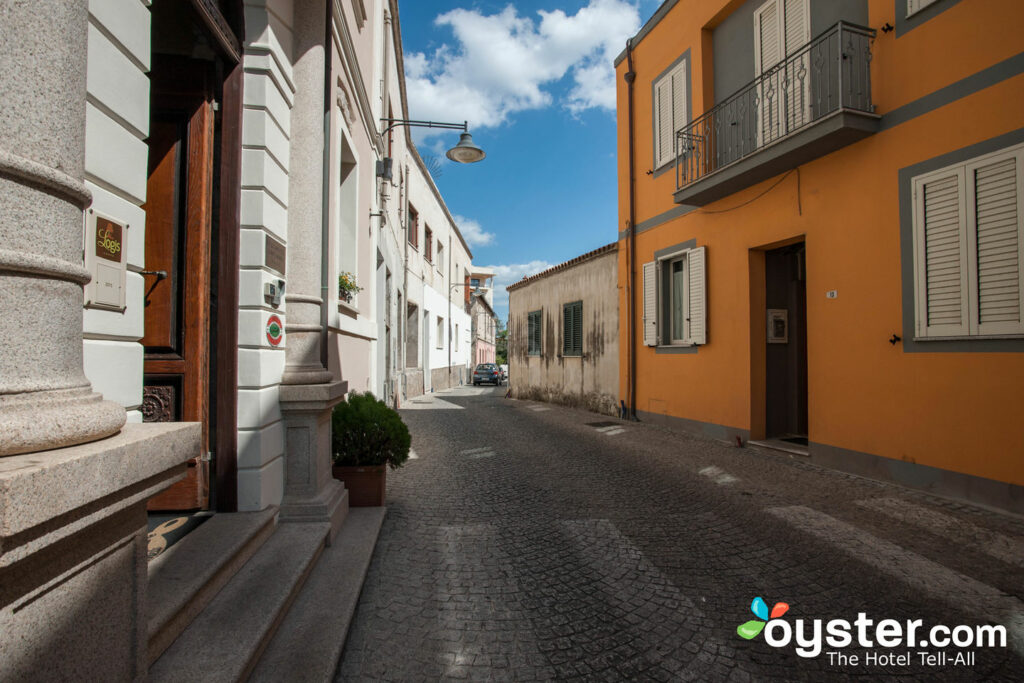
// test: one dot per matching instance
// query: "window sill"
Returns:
(348, 309)
(970, 337)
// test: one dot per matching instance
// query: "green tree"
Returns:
(501, 344)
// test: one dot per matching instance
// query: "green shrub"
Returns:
(366, 432)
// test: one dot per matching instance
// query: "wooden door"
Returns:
(178, 228)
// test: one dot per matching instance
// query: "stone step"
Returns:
(186, 577)
(308, 645)
(226, 640)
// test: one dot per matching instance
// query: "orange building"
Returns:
(822, 233)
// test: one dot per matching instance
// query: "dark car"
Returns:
(487, 372)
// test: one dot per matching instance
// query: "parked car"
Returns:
(487, 372)
(504, 372)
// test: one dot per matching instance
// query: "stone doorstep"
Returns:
(185, 578)
(308, 645)
(226, 639)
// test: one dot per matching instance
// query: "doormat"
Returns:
(167, 529)
(801, 440)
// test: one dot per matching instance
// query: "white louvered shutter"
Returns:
(797, 76)
(994, 200)
(678, 106)
(941, 248)
(768, 51)
(663, 122)
(650, 304)
(697, 296)
(917, 5)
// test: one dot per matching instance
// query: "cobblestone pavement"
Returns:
(535, 542)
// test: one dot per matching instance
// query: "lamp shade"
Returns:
(465, 152)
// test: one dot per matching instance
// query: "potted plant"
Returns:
(347, 287)
(367, 437)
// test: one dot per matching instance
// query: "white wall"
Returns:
(116, 155)
(268, 95)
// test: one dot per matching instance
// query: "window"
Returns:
(428, 239)
(969, 247)
(669, 112)
(572, 329)
(675, 290)
(440, 257)
(455, 339)
(475, 283)
(440, 332)
(533, 332)
(414, 227)
(914, 6)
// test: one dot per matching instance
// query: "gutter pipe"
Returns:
(630, 77)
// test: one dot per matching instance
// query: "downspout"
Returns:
(630, 77)
(326, 227)
(448, 284)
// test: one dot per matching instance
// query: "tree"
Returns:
(501, 343)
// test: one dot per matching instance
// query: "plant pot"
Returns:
(365, 485)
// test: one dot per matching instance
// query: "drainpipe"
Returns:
(630, 77)
(326, 228)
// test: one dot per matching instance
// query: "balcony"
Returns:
(814, 102)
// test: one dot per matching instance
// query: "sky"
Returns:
(535, 80)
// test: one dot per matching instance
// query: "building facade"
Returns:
(484, 321)
(563, 332)
(821, 233)
(186, 184)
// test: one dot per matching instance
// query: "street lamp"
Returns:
(465, 152)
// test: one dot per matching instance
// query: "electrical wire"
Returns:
(754, 199)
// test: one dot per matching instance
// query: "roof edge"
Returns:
(655, 19)
(571, 263)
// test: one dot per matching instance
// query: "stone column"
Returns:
(308, 390)
(45, 399)
(73, 571)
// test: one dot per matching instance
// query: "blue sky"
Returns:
(535, 81)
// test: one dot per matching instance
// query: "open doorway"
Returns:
(786, 345)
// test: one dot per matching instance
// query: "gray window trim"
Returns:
(659, 254)
(905, 23)
(689, 108)
(906, 175)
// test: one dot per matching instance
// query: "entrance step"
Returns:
(225, 641)
(187, 576)
(308, 645)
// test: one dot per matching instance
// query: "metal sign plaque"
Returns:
(275, 255)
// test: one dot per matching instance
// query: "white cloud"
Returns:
(504, 63)
(473, 233)
(510, 274)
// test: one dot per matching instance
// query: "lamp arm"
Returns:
(394, 123)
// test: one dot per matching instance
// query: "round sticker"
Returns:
(275, 330)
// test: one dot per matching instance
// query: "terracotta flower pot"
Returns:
(365, 485)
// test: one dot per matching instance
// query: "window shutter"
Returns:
(798, 25)
(577, 328)
(941, 235)
(566, 330)
(768, 51)
(663, 122)
(531, 324)
(917, 5)
(767, 37)
(697, 296)
(995, 186)
(796, 80)
(678, 106)
(650, 304)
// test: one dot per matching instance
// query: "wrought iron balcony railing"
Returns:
(829, 74)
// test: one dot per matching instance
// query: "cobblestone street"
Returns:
(535, 542)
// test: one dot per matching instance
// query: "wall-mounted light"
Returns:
(464, 152)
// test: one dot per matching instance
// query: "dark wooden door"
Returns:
(178, 209)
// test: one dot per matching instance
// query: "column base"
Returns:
(45, 420)
(311, 493)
